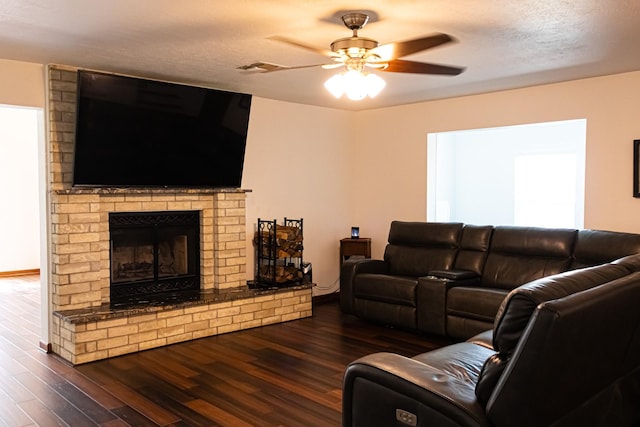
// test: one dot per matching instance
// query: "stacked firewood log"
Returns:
(283, 274)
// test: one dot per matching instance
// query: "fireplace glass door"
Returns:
(173, 252)
(132, 255)
(154, 255)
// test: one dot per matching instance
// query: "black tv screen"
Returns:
(133, 132)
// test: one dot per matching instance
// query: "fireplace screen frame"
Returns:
(151, 284)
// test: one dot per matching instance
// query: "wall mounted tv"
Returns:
(133, 132)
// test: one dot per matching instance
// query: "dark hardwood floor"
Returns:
(281, 375)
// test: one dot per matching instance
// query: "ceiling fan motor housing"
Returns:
(354, 46)
(343, 45)
(355, 20)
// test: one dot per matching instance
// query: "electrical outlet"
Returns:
(406, 417)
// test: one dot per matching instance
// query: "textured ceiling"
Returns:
(502, 43)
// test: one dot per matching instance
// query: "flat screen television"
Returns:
(133, 132)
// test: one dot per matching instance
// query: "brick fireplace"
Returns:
(84, 325)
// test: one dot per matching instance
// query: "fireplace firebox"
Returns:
(154, 256)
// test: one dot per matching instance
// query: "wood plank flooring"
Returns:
(280, 375)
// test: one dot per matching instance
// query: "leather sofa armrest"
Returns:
(432, 297)
(349, 270)
(380, 387)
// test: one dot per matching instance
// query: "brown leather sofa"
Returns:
(564, 351)
(450, 278)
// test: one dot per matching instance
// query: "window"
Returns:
(518, 175)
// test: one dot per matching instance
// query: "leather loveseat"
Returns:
(450, 278)
(564, 351)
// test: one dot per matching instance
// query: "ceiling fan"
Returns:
(355, 53)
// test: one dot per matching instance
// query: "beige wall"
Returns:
(298, 164)
(21, 83)
(390, 182)
(336, 169)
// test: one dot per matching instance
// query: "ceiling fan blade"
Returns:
(298, 67)
(267, 67)
(402, 66)
(332, 65)
(297, 43)
(395, 50)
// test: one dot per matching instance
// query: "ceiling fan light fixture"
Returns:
(335, 85)
(375, 84)
(355, 85)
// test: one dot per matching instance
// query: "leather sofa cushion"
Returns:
(484, 339)
(403, 316)
(510, 271)
(416, 248)
(533, 241)
(416, 262)
(597, 247)
(474, 302)
(385, 288)
(461, 328)
(521, 254)
(630, 262)
(444, 234)
(474, 247)
(462, 360)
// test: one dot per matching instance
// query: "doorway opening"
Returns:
(20, 131)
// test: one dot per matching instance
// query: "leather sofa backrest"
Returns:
(474, 247)
(416, 248)
(518, 255)
(572, 349)
(597, 247)
(630, 262)
(518, 307)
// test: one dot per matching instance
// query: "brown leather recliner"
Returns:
(564, 351)
(385, 290)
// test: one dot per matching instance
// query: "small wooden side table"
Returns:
(349, 247)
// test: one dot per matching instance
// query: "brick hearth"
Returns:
(83, 327)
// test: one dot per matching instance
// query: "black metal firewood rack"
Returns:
(279, 251)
